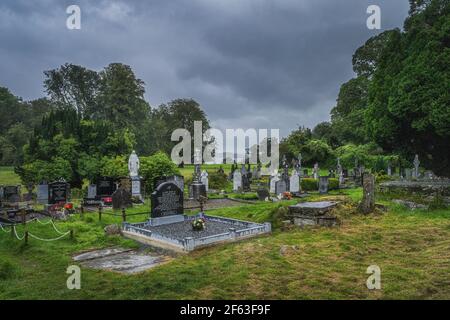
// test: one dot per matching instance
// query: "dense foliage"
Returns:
(398, 105)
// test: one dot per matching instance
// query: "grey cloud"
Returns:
(275, 64)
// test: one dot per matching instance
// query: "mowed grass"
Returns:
(411, 248)
(8, 177)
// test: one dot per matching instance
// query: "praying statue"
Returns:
(133, 164)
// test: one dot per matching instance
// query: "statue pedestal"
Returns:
(136, 188)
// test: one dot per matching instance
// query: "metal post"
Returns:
(100, 213)
(26, 237)
(124, 215)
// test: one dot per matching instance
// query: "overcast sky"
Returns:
(249, 63)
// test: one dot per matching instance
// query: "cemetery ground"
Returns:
(412, 249)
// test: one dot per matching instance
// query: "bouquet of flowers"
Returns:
(198, 224)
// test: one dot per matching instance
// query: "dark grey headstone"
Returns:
(323, 185)
(167, 200)
(263, 194)
(58, 192)
(11, 193)
(105, 186)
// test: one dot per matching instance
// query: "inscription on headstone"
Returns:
(167, 200)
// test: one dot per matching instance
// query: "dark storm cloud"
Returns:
(250, 63)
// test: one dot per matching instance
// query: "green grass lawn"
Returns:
(8, 177)
(411, 248)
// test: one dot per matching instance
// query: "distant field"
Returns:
(8, 177)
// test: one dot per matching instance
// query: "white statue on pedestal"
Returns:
(133, 164)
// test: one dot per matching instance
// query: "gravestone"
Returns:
(133, 169)
(58, 192)
(105, 186)
(11, 193)
(237, 180)
(121, 198)
(341, 179)
(294, 182)
(263, 194)
(345, 173)
(281, 187)
(323, 185)
(92, 191)
(408, 173)
(204, 179)
(246, 182)
(177, 179)
(273, 181)
(167, 200)
(367, 204)
(42, 193)
(305, 172)
(1, 193)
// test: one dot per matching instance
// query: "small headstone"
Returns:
(408, 173)
(237, 180)
(92, 191)
(280, 187)
(294, 183)
(323, 185)
(263, 194)
(167, 200)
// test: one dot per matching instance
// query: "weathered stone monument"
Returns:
(42, 193)
(313, 213)
(367, 204)
(133, 168)
(121, 198)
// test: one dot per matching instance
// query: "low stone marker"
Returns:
(367, 204)
(313, 213)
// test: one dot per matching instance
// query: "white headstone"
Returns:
(294, 183)
(273, 182)
(42, 193)
(237, 180)
(92, 191)
(204, 179)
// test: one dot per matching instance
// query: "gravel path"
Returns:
(181, 230)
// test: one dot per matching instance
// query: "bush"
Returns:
(156, 166)
(217, 180)
(333, 184)
(309, 184)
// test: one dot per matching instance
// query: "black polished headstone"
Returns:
(177, 179)
(167, 200)
(263, 194)
(105, 186)
(58, 192)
